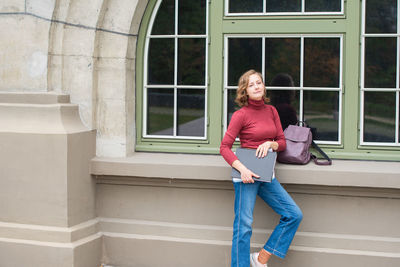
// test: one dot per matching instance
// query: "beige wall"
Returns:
(59, 206)
(83, 48)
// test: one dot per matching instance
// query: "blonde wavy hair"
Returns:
(242, 98)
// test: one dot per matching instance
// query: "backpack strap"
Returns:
(326, 157)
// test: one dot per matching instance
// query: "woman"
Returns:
(258, 126)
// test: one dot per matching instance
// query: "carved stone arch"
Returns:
(92, 51)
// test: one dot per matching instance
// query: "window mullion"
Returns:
(176, 69)
(263, 57)
(301, 111)
(264, 6)
(397, 141)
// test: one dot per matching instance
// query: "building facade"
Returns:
(112, 113)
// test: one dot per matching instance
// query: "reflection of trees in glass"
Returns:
(323, 5)
(380, 62)
(165, 20)
(191, 61)
(160, 109)
(321, 62)
(244, 54)
(232, 106)
(379, 116)
(283, 55)
(381, 16)
(192, 17)
(321, 110)
(283, 5)
(190, 112)
(161, 61)
(245, 6)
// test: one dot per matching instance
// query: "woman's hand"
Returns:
(262, 150)
(245, 174)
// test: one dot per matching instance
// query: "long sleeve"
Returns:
(234, 128)
(280, 137)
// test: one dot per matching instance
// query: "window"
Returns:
(175, 87)
(312, 65)
(277, 7)
(380, 74)
(335, 62)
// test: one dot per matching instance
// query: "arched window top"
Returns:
(175, 77)
(180, 17)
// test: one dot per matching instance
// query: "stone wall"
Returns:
(83, 48)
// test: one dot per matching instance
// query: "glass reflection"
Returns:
(191, 61)
(321, 62)
(380, 62)
(191, 106)
(283, 55)
(244, 54)
(232, 106)
(161, 61)
(283, 6)
(192, 17)
(245, 6)
(323, 5)
(381, 16)
(160, 111)
(286, 102)
(165, 21)
(379, 116)
(321, 112)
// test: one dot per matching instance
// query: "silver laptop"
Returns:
(264, 167)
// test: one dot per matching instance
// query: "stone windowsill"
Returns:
(212, 167)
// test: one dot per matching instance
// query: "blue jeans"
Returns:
(280, 201)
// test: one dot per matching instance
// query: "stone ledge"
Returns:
(213, 168)
(33, 97)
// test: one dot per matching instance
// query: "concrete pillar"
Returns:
(47, 196)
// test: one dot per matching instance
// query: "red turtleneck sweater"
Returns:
(255, 124)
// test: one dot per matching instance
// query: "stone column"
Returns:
(47, 195)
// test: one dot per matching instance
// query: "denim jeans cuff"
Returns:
(274, 252)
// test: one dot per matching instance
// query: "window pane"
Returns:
(380, 62)
(160, 111)
(165, 19)
(283, 5)
(245, 6)
(286, 103)
(161, 61)
(379, 116)
(323, 5)
(191, 107)
(191, 61)
(321, 112)
(244, 54)
(381, 16)
(232, 106)
(321, 62)
(282, 55)
(192, 17)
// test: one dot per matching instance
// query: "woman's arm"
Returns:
(234, 128)
(262, 150)
(280, 137)
(232, 132)
(245, 174)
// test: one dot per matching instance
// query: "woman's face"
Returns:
(255, 88)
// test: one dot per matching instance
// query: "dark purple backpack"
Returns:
(298, 142)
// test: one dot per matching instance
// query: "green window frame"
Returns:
(347, 24)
